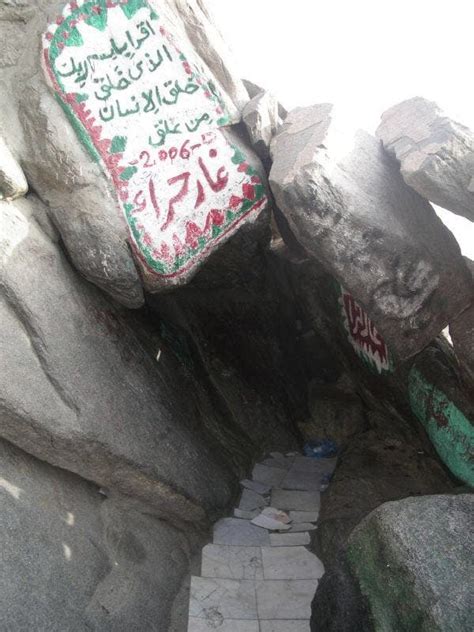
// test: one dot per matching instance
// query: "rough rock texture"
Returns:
(436, 154)
(262, 119)
(349, 207)
(97, 403)
(414, 562)
(335, 414)
(80, 199)
(73, 560)
(385, 463)
(461, 330)
(243, 334)
(12, 179)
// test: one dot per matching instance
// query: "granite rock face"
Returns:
(74, 560)
(436, 154)
(97, 402)
(414, 562)
(349, 207)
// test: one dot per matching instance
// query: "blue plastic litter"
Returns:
(323, 449)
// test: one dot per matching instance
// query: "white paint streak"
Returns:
(13, 490)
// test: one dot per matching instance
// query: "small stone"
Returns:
(272, 519)
(295, 500)
(272, 476)
(293, 562)
(290, 539)
(285, 599)
(232, 562)
(255, 486)
(251, 500)
(304, 516)
(217, 599)
(245, 515)
(235, 532)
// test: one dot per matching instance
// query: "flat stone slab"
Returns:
(291, 562)
(217, 599)
(302, 481)
(302, 526)
(232, 562)
(295, 500)
(284, 626)
(285, 599)
(279, 462)
(290, 539)
(229, 625)
(251, 500)
(245, 515)
(236, 532)
(304, 516)
(255, 486)
(272, 476)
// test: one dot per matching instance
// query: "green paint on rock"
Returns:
(118, 144)
(133, 6)
(451, 432)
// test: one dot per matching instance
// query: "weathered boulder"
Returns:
(386, 463)
(436, 154)
(82, 388)
(348, 206)
(12, 179)
(73, 560)
(414, 562)
(156, 185)
(262, 119)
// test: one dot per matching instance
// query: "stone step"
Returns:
(215, 599)
(250, 500)
(295, 500)
(229, 625)
(283, 626)
(290, 562)
(271, 476)
(232, 562)
(287, 599)
(290, 539)
(237, 532)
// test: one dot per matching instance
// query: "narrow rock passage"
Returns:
(263, 578)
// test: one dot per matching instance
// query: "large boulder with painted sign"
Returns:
(127, 137)
(436, 154)
(349, 207)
